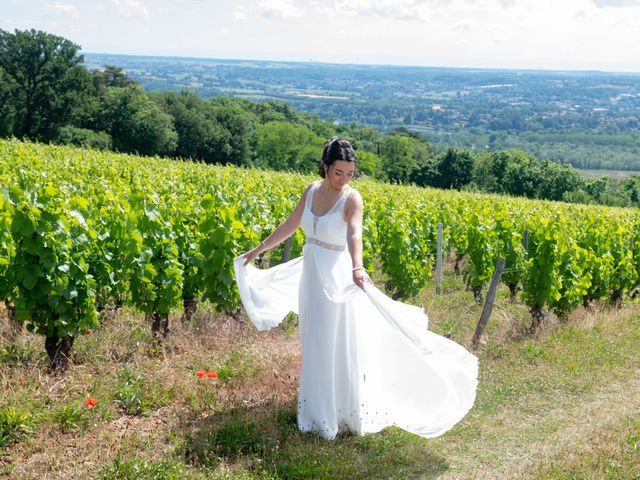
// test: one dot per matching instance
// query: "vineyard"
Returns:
(82, 231)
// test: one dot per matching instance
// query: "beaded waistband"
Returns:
(330, 246)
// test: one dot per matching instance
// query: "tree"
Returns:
(399, 157)
(631, 186)
(283, 146)
(111, 76)
(455, 169)
(426, 172)
(557, 179)
(366, 138)
(42, 83)
(238, 132)
(483, 178)
(369, 164)
(198, 135)
(499, 162)
(521, 174)
(264, 112)
(136, 124)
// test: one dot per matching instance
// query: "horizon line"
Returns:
(398, 65)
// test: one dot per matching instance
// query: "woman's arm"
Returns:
(353, 215)
(284, 230)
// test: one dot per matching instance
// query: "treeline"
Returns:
(47, 94)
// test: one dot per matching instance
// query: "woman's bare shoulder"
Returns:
(354, 200)
(354, 196)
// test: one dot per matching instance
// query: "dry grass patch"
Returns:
(612, 453)
(143, 395)
(541, 401)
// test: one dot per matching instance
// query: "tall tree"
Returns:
(521, 174)
(42, 82)
(238, 128)
(557, 179)
(136, 123)
(110, 76)
(398, 158)
(407, 159)
(455, 169)
(283, 146)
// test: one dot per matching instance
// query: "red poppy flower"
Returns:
(87, 332)
(201, 373)
(212, 375)
(90, 402)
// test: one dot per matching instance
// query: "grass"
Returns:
(612, 454)
(134, 469)
(14, 424)
(266, 442)
(136, 395)
(560, 405)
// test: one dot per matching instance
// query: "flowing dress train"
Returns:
(368, 361)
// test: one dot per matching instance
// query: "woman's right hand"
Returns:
(360, 277)
(250, 255)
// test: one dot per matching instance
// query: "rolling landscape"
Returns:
(586, 119)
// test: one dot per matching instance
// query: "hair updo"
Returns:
(336, 149)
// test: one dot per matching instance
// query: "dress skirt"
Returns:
(368, 361)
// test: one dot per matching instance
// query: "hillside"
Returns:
(127, 259)
(587, 119)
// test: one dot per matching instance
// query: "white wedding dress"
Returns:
(368, 361)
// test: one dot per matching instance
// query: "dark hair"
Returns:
(336, 149)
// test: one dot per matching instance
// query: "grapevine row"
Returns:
(80, 230)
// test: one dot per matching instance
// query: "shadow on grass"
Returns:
(266, 442)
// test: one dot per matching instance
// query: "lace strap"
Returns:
(309, 198)
(339, 206)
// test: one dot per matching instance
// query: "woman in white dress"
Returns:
(368, 362)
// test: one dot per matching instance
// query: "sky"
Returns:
(532, 34)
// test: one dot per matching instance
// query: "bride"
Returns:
(368, 362)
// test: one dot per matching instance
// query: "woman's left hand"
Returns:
(360, 277)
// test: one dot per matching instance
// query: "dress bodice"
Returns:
(330, 229)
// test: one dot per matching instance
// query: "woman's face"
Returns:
(340, 173)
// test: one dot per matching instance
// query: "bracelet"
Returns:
(357, 268)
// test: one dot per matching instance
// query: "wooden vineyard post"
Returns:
(286, 252)
(439, 260)
(525, 241)
(488, 305)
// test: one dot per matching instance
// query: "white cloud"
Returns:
(616, 3)
(65, 9)
(397, 9)
(280, 9)
(464, 26)
(130, 8)
(240, 13)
